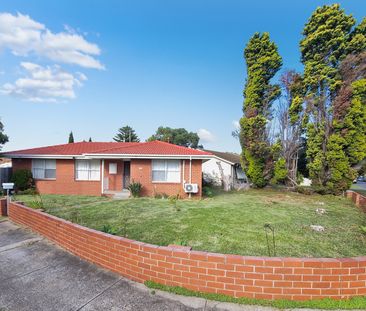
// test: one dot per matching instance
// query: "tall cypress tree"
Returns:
(327, 39)
(263, 61)
(71, 138)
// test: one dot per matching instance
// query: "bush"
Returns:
(207, 191)
(135, 188)
(23, 180)
(304, 190)
(280, 171)
(109, 229)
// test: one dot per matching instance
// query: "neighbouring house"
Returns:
(107, 168)
(224, 170)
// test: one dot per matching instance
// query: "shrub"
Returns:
(207, 191)
(135, 188)
(304, 190)
(23, 179)
(109, 229)
(280, 171)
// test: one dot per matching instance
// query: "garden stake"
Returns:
(269, 227)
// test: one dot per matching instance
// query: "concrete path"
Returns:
(37, 275)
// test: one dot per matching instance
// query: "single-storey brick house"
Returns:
(102, 168)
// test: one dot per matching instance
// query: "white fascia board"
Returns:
(146, 156)
(39, 156)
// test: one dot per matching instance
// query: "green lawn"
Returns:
(228, 223)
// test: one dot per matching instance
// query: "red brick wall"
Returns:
(3, 207)
(141, 171)
(64, 183)
(358, 199)
(238, 276)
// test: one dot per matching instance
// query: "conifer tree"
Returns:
(263, 61)
(71, 138)
(328, 38)
(126, 134)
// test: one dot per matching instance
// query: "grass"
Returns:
(227, 223)
(325, 304)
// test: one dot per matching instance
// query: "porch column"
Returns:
(102, 176)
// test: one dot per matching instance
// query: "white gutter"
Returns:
(147, 156)
(39, 156)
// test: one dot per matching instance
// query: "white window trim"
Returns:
(167, 182)
(44, 168)
(114, 169)
(89, 170)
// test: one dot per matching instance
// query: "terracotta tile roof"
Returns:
(115, 148)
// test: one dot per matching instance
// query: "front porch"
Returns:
(116, 175)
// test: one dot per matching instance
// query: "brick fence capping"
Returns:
(358, 199)
(234, 275)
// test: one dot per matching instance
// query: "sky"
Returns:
(93, 66)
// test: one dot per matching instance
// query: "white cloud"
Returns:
(236, 124)
(44, 84)
(205, 136)
(24, 36)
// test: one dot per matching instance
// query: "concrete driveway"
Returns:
(37, 275)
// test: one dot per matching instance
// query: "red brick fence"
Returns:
(358, 199)
(255, 277)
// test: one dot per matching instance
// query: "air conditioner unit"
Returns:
(191, 188)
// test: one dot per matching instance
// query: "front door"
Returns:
(126, 174)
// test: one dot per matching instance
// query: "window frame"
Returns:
(166, 171)
(89, 170)
(44, 168)
(112, 168)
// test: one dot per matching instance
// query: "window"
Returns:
(166, 171)
(112, 168)
(44, 169)
(87, 169)
(240, 175)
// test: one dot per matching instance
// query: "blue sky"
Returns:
(92, 66)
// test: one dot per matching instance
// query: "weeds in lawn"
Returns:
(173, 199)
(363, 229)
(75, 216)
(109, 229)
